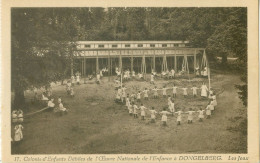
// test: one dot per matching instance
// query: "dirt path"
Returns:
(96, 124)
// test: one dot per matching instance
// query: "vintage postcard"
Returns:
(130, 81)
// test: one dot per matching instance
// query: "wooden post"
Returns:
(195, 61)
(154, 65)
(175, 61)
(97, 64)
(109, 69)
(132, 62)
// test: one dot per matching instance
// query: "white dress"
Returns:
(201, 114)
(164, 115)
(171, 107)
(179, 116)
(194, 90)
(190, 115)
(174, 90)
(135, 109)
(145, 93)
(185, 91)
(155, 92)
(138, 96)
(152, 78)
(164, 91)
(204, 90)
(142, 110)
(208, 111)
(18, 133)
(130, 108)
(153, 112)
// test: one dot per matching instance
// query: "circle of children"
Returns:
(130, 101)
(135, 106)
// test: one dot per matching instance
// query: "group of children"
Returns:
(132, 100)
(17, 119)
(60, 110)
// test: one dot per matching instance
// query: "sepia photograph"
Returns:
(129, 80)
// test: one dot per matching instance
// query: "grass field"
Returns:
(97, 125)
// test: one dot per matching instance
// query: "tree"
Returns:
(41, 40)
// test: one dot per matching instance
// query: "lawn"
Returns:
(95, 124)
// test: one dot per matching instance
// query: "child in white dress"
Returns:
(14, 116)
(153, 112)
(146, 93)
(174, 90)
(208, 111)
(211, 106)
(201, 115)
(164, 116)
(152, 79)
(142, 108)
(18, 133)
(214, 100)
(155, 94)
(171, 107)
(130, 109)
(185, 93)
(138, 96)
(71, 92)
(20, 115)
(190, 115)
(204, 90)
(78, 79)
(59, 100)
(179, 116)
(164, 91)
(135, 108)
(194, 91)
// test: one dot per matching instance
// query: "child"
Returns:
(214, 100)
(18, 133)
(71, 92)
(51, 105)
(172, 73)
(145, 94)
(127, 101)
(14, 116)
(59, 100)
(68, 88)
(155, 94)
(185, 92)
(164, 91)
(179, 117)
(153, 112)
(210, 93)
(152, 79)
(211, 106)
(164, 116)
(133, 73)
(117, 100)
(135, 110)
(204, 90)
(205, 72)
(138, 96)
(98, 78)
(142, 108)
(171, 107)
(190, 115)
(169, 100)
(72, 80)
(62, 108)
(194, 91)
(174, 90)
(78, 79)
(201, 114)
(208, 111)
(20, 115)
(130, 109)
